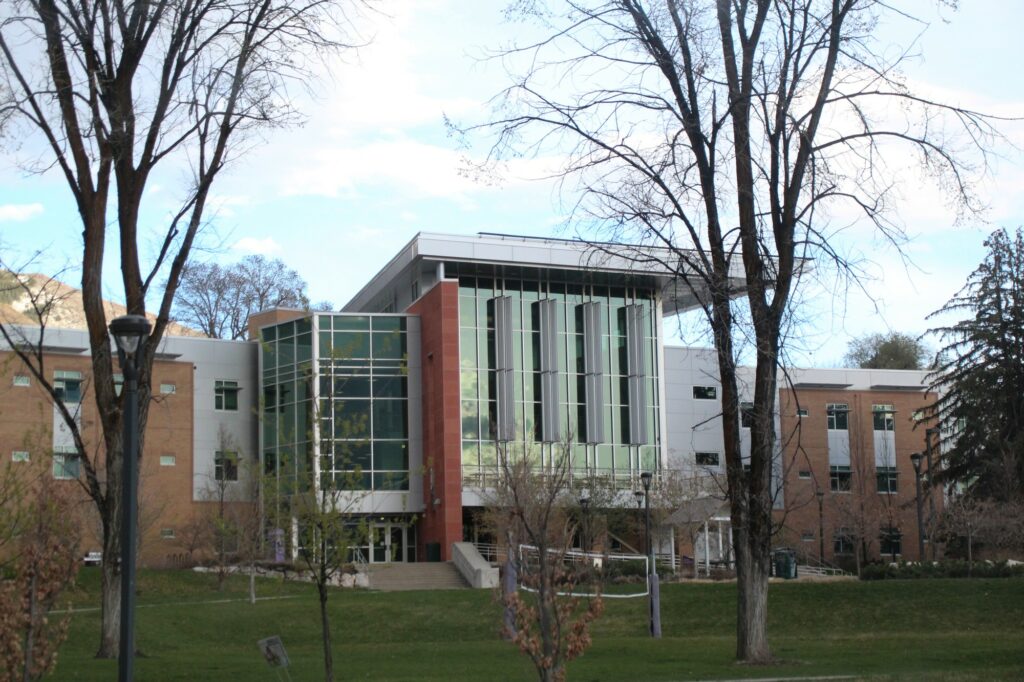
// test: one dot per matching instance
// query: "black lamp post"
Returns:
(584, 509)
(915, 459)
(130, 333)
(821, 527)
(655, 589)
(928, 445)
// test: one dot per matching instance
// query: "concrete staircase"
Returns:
(415, 576)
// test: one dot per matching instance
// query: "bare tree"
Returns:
(218, 299)
(724, 134)
(117, 91)
(536, 507)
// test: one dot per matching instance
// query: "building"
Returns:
(461, 349)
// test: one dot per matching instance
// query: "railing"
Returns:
(359, 559)
(488, 550)
(491, 478)
(805, 569)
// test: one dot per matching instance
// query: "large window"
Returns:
(746, 415)
(65, 463)
(888, 479)
(837, 415)
(842, 541)
(890, 541)
(579, 360)
(225, 466)
(839, 479)
(225, 395)
(883, 417)
(68, 386)
(364, 409)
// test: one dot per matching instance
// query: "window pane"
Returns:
(351, 345)
(389, 387)
(351, 387)
(389, 345)
(389, 419)
(390, 455)
(352, 419)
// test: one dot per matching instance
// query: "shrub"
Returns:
(953, 568)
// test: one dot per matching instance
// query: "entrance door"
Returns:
(390, 542)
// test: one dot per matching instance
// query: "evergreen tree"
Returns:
(980, 368)
(894, 350)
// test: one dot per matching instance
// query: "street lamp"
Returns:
(584, 508)
(130, 333)
(655, 589)
(639, 498)
(821, 527)
(928, 433)
(915, 459)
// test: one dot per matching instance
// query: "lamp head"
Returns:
(584, 503)
(915, 459)
(645, 478)
(128, 331)
(639, 497)
(821, 495)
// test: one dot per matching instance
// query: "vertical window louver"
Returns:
(593, 367)
(504, 370)
(551, 431)
(637, 375)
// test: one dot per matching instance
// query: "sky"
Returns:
(374, 164)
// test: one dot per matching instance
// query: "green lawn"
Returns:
(920, 630)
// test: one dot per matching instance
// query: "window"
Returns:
(890, 541)
(225, 466)
(746, 415)
(167, 460)
(168, 389)
(707, 459)
(837, 415)
(842, 541)
(68, 386)
(806, 475)
(22, 380)
(225, 395)
(802, 412)
(167, 533)
(705, 393)
(808, 536)
(19, 456)
(65, 463)
(888, 479)
(883, 417)
(839, 479)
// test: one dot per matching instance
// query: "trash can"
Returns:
(783, 564)
(433, 551)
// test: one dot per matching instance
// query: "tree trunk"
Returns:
(110, 588)
(325, 627)
(751, 602)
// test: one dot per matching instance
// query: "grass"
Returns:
(955, 630)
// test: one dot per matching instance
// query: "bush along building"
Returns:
(463, 350)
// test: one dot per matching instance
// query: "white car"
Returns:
(93, 559)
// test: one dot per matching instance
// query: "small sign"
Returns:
(273, 652)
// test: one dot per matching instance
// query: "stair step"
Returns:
(415, 576)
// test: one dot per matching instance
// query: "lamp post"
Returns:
(915, 459)
(821, 527)
(928, 433)
(130, 333)
(655, 589)
(584, 535)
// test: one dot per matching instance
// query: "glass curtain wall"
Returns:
(362, 408)
(578, 354)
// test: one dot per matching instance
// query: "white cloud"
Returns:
(19, 212)
(252, 245)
